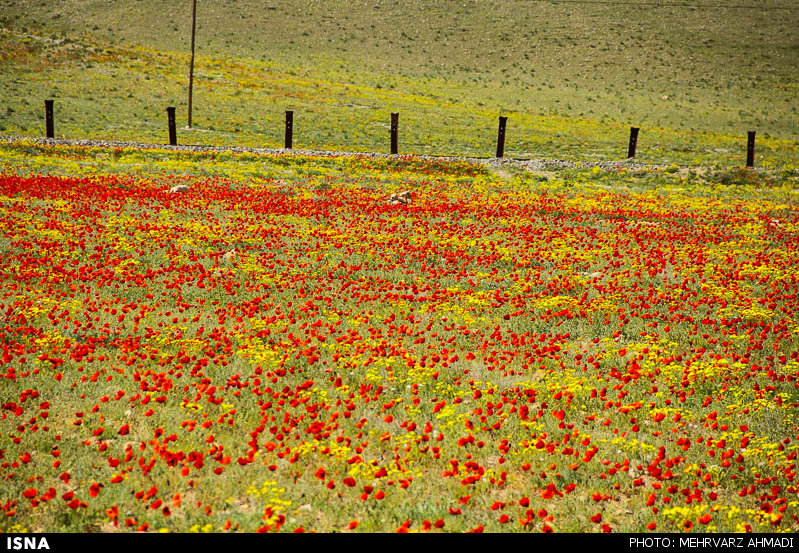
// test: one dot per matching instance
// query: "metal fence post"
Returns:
(394, 132)
(289, 138)
(750, 149)
(173, 134)
(501, 136)
(633, 142)
(48, 118)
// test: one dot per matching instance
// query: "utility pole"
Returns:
(191, 65)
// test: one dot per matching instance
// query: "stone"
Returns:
(401, 198)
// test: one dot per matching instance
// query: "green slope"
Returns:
(571, 76)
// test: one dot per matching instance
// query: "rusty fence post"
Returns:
(173, 134)
(394, 132)
(750, 149)
(501, 136)
(633, 142)
(289, 138)
(48, 119)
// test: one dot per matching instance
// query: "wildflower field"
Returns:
(278, 349)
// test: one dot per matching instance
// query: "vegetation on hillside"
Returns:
(571, 77)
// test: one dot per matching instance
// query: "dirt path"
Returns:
(534, 164)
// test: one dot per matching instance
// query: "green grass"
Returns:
(726, 239)
(571, 77)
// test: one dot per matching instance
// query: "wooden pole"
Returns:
(289, 129)
(750, 149)
(48, 118)
(191, 63)
(173, 135)
(633, 142)
(394, 132)
(501, 136)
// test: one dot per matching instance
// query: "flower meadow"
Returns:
(278, 349)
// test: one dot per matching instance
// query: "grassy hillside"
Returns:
(571, 76)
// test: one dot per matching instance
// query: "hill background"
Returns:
(572, 76)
